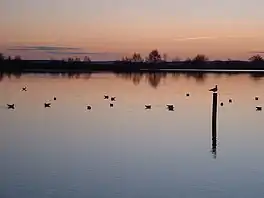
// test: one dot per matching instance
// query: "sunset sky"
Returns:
(107, 30)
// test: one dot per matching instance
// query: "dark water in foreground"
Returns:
(127, 151)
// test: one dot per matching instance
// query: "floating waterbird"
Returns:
(11, 106)
(147, 106)
(46, 105)
(259, 108)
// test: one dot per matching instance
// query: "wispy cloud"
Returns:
(195, 38)
(256, 52)
(210, 37)
(42, 48)
(59, 50)
(79, 53)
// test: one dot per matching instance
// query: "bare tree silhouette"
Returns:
(154, 56)
(126, 59)
(200, 58)
(137, 57)
(17, 58)
(70, 59)
(1, 57)
(256, 58)
(77, 59)
(87, 59)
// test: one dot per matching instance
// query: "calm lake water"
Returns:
(68, 152)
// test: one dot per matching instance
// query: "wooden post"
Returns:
(214, 122)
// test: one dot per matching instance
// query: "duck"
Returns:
(187, 94)
(170, 107)
(215, 89)
(106, 97)
(54, 98)
(11, 106)
(111, 105)
(222, 104)
(147, 106)
(113, 98)
(24, 89)
(256, 98)
(230, 101)
(46, 105)
(259, 108)
(89, 108)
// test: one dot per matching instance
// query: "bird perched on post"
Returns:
(215, 89)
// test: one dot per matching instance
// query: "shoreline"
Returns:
(26, 66)
(145, 71)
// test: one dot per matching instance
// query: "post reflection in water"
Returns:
(214, 122)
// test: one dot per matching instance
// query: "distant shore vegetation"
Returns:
(135, 62)
(153, 56)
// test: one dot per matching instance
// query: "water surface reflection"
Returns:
(127, 151)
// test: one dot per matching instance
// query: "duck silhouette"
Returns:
(259, 108)
(147, 106)
(170, 107)
(106, 97)
(89, 108)
(24, 89)
(256, 98)
(11, 106)
(47, 105)
(111, 105)
(113, 98)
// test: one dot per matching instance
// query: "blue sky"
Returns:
(124, 26)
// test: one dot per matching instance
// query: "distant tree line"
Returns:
(153, 57)
(153, 61)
